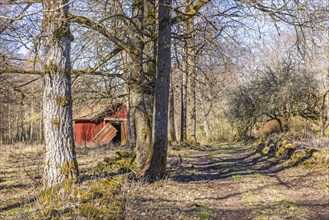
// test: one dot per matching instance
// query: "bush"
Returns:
(274, 94)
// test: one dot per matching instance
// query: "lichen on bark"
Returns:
(62, 101)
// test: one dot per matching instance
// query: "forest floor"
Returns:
(230, 182)
(223, 181)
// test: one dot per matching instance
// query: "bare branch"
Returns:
(101, 29)
(20, 2)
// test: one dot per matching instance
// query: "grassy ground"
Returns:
(228, 182)
(214, 182)
(21, 170)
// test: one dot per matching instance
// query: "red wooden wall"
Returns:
(122, 113)
(84, 131)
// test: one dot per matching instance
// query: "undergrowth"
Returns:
(291, 148)
(99, 196)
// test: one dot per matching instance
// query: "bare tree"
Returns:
(157, 163)
(61, 162)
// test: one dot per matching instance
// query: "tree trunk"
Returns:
(23, 131)
(10, 130)
(139, 117)
(31, 124)
(16, 139)
(203, 114)
(2, 126)
(172, 130)
(191, 103)
(131, 142)
(190, 68)
(157, 162)
(131, 125)
(149, 56)
(183, 134)
(61, 163)
(322, 123)
(41, 130)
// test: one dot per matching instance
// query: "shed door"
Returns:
(105, 135)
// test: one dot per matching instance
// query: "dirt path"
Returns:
(225, 182)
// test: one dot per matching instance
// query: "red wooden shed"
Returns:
(101, 124)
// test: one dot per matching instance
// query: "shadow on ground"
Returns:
(201, 167)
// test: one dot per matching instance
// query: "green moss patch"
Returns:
(99, 199)
(56, 122)
(284, 149)
(62, 101)
(122, 163)
(102, 200)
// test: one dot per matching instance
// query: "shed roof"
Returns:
(97, 112)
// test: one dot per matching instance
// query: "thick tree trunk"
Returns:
(156, 165)
(61, 163)
(138, 112)
(149, 58)
(139, 117)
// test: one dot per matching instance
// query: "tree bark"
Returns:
(183, 134)
(2, 126)
(31, 124)
(139, 117)
(323, 121)
(157, 162)
(61, 163)
(172, 130)
(41, 135)
(203, 113)
(131, 125)
(190, 68)
(191, 99)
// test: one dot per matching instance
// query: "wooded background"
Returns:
(232, 67)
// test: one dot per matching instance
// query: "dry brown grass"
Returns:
(213, 182)
(21, 168)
